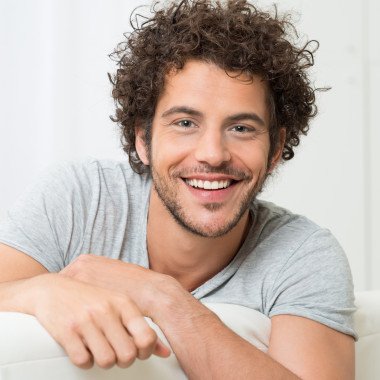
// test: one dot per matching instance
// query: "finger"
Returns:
(77, 351)
(98, 345)
(161, 349)
(121, 342)
(144, 337)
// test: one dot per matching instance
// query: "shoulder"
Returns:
(90, 167)
(289, 246)
(277, 224)
(84, 183)
(90, 173)
(306, 271)
(287, 238)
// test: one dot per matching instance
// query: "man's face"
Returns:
(209, 147)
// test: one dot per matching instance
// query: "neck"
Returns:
(189, 258)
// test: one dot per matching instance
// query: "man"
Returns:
(210, 98)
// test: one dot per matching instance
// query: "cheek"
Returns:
(253, 156)
(169, 151)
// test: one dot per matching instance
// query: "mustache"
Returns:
(222, 169)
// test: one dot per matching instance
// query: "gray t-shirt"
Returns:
(287, 265)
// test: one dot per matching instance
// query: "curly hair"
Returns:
(234, 35)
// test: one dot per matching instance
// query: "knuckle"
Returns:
(96, 309)
(126, 358)
(102, 310)
(146, 340)
(106, 360)
(82, 360)
(93, 311)
(75, 325)
(122, 300)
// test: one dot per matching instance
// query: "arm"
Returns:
(15, 265)
(90, 323)
(298, 346)
(211, 348)
(203, 344)
(315, 351)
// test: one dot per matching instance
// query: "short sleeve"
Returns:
(43, 223)
(316, 283)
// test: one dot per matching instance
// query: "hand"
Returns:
(144, 286)
(92, 323)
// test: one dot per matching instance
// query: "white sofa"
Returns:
(367, 324)
(27, 352)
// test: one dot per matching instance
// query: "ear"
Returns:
(140, 144)
(278, 153)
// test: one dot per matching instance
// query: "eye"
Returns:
(185, 123)
(243, 129)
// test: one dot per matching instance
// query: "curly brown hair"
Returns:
(234, 35)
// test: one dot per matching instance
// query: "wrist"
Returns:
(176, 307)
(158, 296)
(15, 296)
(24, 295)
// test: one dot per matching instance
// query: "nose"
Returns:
(212, 148)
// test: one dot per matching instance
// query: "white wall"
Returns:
(55, 102)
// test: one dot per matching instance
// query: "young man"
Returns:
(210, 99)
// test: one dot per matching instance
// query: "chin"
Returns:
(207, 228)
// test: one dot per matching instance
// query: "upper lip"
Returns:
(211, 177)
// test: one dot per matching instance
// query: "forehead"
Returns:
(206, 87)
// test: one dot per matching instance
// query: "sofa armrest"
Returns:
(27, 351)
(367, 325)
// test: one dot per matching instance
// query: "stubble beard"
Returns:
(168, 197)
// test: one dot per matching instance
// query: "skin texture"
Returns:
(216, 144)
(208, 141)
(92, 322)
(299, 348)
(185, 250)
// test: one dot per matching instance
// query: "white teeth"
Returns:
(213, 185)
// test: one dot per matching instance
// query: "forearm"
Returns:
(90, 323)
(206, 348)
(14, 295)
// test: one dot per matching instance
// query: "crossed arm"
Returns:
(99, 303)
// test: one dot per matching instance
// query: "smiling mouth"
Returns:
(209, 185)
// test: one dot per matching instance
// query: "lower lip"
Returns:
(211, 196)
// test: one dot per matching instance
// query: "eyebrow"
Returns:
(236, 117)
(181, 109)
(247, 116)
